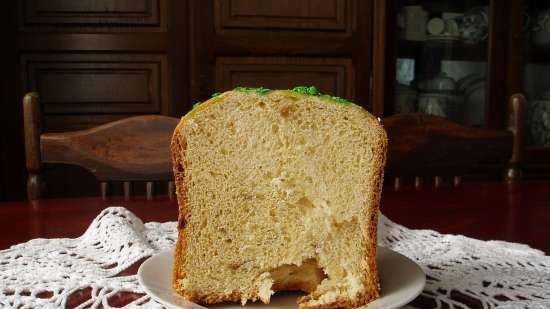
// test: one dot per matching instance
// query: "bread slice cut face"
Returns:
(278, 190)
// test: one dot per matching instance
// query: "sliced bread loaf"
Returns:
(278, 190)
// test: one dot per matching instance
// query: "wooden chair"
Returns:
(128, 150)
(428, 147)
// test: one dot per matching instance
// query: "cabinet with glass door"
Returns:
(442, 58)
(535, 84)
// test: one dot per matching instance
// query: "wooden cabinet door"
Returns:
(94, 61)
(91, 61)
(281, 44)
(404, 60)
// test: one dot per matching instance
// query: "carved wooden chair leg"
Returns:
(35, 186)
(417, 182)
(438, 180)
(104, 187)
(513, 173)
(33, 128)
(149, 190)
(397, 183)
(516, 125)
(457, 180)
(127, 186)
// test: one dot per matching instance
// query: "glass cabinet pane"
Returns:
(536, 73)
(441, 59)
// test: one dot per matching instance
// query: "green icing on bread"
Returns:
(311, 90)
(260, 90)
(339, 100)
(305, 90)
(214, 95)
(196, 105)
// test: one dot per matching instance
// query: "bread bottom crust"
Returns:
(213, 298)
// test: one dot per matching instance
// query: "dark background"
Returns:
(94, 61)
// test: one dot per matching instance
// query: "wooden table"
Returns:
(518, 213)
(486, 210)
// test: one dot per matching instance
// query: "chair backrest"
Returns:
(128, 150)
(424, 146)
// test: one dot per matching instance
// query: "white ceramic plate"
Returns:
(401, 280)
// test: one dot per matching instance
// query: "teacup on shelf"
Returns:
(474, 25)
(443, 29)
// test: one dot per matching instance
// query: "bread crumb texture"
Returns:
(278, 191)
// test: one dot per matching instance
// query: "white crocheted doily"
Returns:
(59, 273)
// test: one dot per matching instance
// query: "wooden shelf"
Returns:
(447, 50)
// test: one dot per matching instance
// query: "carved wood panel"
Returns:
(279, 44)
(93, 61)
(97, 13)
(331, 75)
(312, 15)
(97, 84)
(103, 48)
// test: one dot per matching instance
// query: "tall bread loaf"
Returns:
(278, 190)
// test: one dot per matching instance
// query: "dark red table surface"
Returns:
(484, 210)
(518, 213)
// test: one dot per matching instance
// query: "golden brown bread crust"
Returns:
(178, 152)
(178, 148)
(373, 220)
